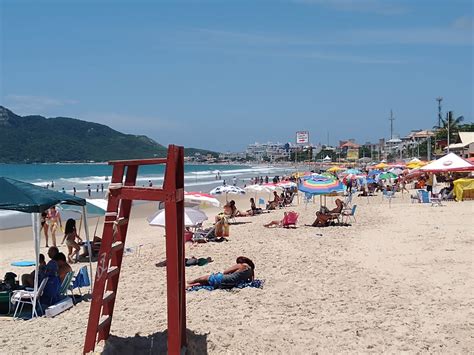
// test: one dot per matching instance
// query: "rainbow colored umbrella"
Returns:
(321, 186)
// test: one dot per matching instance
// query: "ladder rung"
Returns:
(110, 214)
(113, 270)
(116, 247)
(121, 221)
(110, 295)
(103, 322)
(115, 186)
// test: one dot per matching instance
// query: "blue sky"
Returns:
(222, 74)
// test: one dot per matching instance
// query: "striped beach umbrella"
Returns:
(321, 186)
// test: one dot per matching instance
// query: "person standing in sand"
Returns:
(44, 226)
(54, 218)
(70, 235)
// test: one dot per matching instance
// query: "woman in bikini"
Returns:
(44, 226)
(53, 219)
(70, 235)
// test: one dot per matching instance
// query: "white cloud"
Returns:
(29, 104)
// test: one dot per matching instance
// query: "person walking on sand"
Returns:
(234, 181)
(53, 219)
(102, 187)
(89, 190)
(70, 236)
(74, 190)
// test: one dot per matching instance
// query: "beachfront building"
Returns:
(465, 145)
(233, 156)
(268, 151)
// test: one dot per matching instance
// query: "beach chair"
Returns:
(66, 285)
(348, 214)
(424, 196)
(348, 200)
(290, 220)
(81, 280)
(22, 297)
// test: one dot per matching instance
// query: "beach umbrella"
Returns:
(396, 171)
(192, 217)
(374, 172)
(321, 187)
(286, 184)
(227, 189)
(353, 171)
(198, 197)
(387, 176)
(334, 169)
(381, 166)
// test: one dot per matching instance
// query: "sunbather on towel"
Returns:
(276, 223)
(242, 271)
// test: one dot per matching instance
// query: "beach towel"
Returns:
(23, 263)
(254, 284)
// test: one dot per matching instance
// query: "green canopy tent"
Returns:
(24, 197)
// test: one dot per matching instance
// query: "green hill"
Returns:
(39, 139)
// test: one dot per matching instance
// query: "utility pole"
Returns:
(449, 117)
(391, 119)
(439, 99)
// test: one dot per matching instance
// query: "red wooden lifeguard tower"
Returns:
(122, 191)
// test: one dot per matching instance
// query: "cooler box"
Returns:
(59, 307)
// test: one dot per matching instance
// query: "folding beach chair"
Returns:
(290, 220)
(66, 286)
(348, 214)
(28, 297)
(81, 280)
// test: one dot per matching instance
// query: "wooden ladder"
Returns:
(122, 191)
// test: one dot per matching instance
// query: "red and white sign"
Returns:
(302, 137)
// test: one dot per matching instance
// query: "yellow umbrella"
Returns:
(334, 169)
(381, 166)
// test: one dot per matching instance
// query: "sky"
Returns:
(223, 74)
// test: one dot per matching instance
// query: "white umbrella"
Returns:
(259, 188)
(286, 184)
(227, 189)
(192, 217)
(197, 197)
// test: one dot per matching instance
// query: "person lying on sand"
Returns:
(276, 223)
(242, 271)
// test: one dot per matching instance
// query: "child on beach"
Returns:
(70, 235)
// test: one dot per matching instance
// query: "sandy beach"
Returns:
(399, 279)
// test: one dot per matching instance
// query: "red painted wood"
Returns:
(173, 196)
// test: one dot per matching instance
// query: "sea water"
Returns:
(198, 177)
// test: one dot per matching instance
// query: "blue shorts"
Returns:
(215, 280)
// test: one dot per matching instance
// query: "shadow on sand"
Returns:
(153, 344)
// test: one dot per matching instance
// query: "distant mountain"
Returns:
(39, 139)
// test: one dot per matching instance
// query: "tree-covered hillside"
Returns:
(40, 139)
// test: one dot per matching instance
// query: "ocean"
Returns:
(197, 177)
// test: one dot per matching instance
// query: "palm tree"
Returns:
(448, 124)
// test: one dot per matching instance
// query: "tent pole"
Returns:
(35, 221)
(89, 247)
